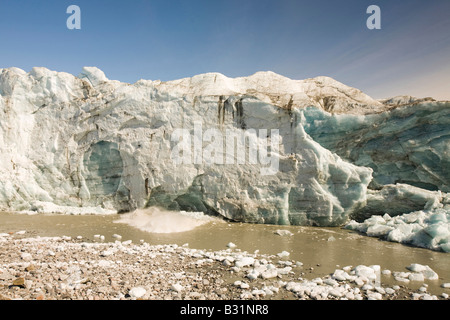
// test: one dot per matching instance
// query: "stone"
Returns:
(137, 292)
(177, 287)
(26, 256)
(19, 282)
(30, 268)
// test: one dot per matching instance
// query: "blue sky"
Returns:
(172, 39)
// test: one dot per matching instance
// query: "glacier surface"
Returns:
(88, 144)
(407, 144)
(70, 142)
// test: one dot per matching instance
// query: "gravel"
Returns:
(64, 268)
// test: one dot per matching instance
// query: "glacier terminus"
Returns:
(87, 144)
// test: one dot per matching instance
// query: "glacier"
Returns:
(88, 144)
(428, 229)
(408, 143)
(70, 142)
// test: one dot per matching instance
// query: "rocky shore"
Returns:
(64, 268)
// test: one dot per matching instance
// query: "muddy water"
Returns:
(323, 249)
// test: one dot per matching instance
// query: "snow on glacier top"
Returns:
(322, 92)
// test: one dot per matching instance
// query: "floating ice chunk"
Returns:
(426, 271)
(364, 271)
(49, 207)
(416, 277)
(177, 287)
(415, 267)
(429, 274)
(401, 279)
(386, 272)
(283, 233)
(283, 254)
(231, 245)
(430, 229)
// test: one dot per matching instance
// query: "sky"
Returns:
(299, 39)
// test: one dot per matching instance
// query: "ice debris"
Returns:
(427, 229)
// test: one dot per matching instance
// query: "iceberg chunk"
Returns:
(427, 229)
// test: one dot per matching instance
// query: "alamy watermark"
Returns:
(74, 20)
(236, 147)
(374, 21)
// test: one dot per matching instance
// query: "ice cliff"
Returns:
(88, 144)
(408, 144)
